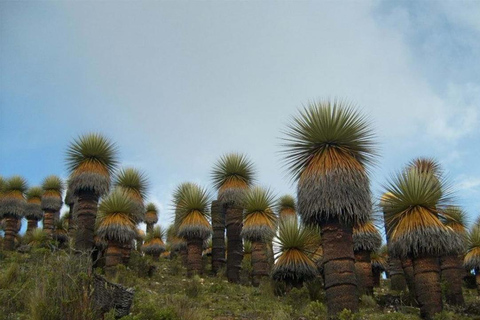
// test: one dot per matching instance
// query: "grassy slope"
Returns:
(42, 285)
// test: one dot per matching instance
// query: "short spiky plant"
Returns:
(38, 238)
(328, 148)
(416, 231)
(232, 176)
(134, 183)
(193, 224)
(426, 165)
(91, 160)
(296, 243)
(52, 193)
(61, 231)
(12, 208)
(259, 226)
(154, 244)
(287, 207)
(151, 216)
(33, 209)
(366, 239)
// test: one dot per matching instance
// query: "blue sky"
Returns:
(177, 84)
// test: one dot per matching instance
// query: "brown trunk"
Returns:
(363, 270)
(339, 267)
(218, 237)
(194, 256)
(477, 279)
(86, 212)
(113, 257)
(49, 222)
(452, 276)
(397, 277)
(32, 224)
(10, 233)
(270, 254)
(149, 228)
(376, 273)
(126, 251)
(234, 223)
(184, 255)
(427, 285)
(71, 221)
(259, 262)
(407, 266)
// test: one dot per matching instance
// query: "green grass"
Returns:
(45, 285)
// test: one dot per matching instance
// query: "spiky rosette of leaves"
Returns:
(286, 206)
(134, 183)
(366, 237)
(260, 222)
(116, 219)
(38, 238)
(412, 215)
(247, 247)
(456, 218)
(472, 256)
(426, 165)
(154, 241)
(379, 258)
(296, 244)
(33, 208)
(327, 149)
(13, 202)
(91, 160)
(52, 193)
(193, 213)
(175, 241)
(151, 214)
(232, 175)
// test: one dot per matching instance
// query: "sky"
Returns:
(176, 84)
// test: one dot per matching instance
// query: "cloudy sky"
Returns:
(177, 84)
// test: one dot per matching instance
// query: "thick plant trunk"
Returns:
(234, 224)
(32, 224)
(259, 262)
(194, 256)
(218, 237)
(10, 233)
(72, 221)
(376, 273)
(270, 255)
(113, 256)
(397, 277)
(452, 274)
(427, 285)
(149, 228)
(183, 252)
(407, 266)
(86, 212)
(477, 279)
(339, 267)
(363, 270)
(49, 222)
(126, 251)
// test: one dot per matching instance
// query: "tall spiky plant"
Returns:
(51, 202)
(135, 184)
(379, 260)
(472, 257)
(154, 244)
(451, 264)
(416, 231)
(12, 208)
(193, 225)
(328, 147)
(91, 160)
(287, 207)
(233, 175)
(151, 216)
(259, 226)
(33, 209)
(398, 281)
(296, 244)
(179, 245)
(366, 239)
(116, 224)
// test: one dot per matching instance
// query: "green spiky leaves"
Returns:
(260, 222)
(154, 241)
(12, 204)
(324, 126)
(91, 160)
(411, 209)
(286, 202)
(193, 213)
(232, 175)
(52, 195)
(33, 208)
(34, 193)
(472, 257)
(116, 219)
(53, 184)
(16, 184)
(132, 181)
